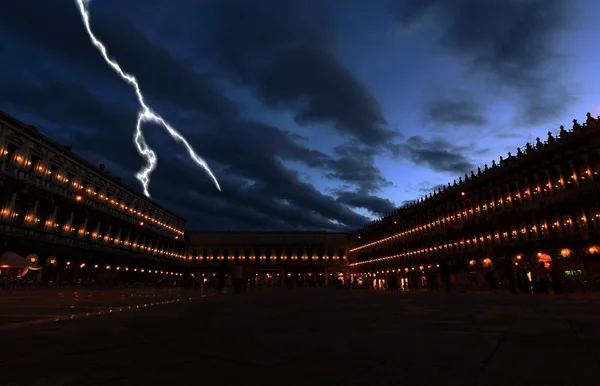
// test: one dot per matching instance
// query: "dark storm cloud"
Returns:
(437, 154)
(258, 190)
(39, 95)
(359, 199)
(255, 178)
(284, 50)
(355, 164)
(57, 77)
(56, 30)
(507, 42)
(458, 108)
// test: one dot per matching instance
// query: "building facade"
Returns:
(273, 258)
(75, 219)
(78, 222)
(539, 205)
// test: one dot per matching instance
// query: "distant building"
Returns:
(77, 220)
(274, 258)
(538, 205)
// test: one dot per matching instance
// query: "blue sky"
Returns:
(312, 114)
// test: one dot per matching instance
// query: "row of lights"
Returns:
(565, 253)
(399, 270)
(118, 268)
(64, 179)
(270, 275)
(263, 257)
(125, 243)
(67, 229)
(448, 219)
(134, 211)
(468, 242)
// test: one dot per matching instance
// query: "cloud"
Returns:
(262, 43)
(437, 154)
(66, 43)
(508, 43)
(459, 108)
(284, 52)
(259, 192)
(355, 165)
(376, 205)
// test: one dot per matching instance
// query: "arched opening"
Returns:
(565, 254)
(543, 257)
(593, 250)
(33, 258)
(568, 265)
(487, 264)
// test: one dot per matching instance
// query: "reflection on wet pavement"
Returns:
(29, 308)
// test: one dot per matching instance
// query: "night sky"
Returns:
(312, 114)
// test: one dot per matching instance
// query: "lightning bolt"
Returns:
(145, 114)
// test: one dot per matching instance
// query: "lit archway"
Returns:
(565, 254)
(52, 261)
(543, 257)
(487, 263)
(592, 250)
(33, 258)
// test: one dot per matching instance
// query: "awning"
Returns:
(10, 259)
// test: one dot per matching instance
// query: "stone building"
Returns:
(78, 222)
(75, 219)
(274, 258)
(540, 204)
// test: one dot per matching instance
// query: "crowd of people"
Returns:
(456, 275)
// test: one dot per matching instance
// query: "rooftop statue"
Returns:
(472, 174)
(590, 121)
(563, 132)
(550, 137)
(519, 152)
(501, 159)
(485, 167)
(528, 148)
(576, 126)
(538, 143)
(509, 154)
(466, 177)
(494, 164)
(460, 180)
(478, 171)
(454, 182)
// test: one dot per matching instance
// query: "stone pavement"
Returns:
(308, 337)
(29, 307)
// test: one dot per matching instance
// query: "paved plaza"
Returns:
(297, 337)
